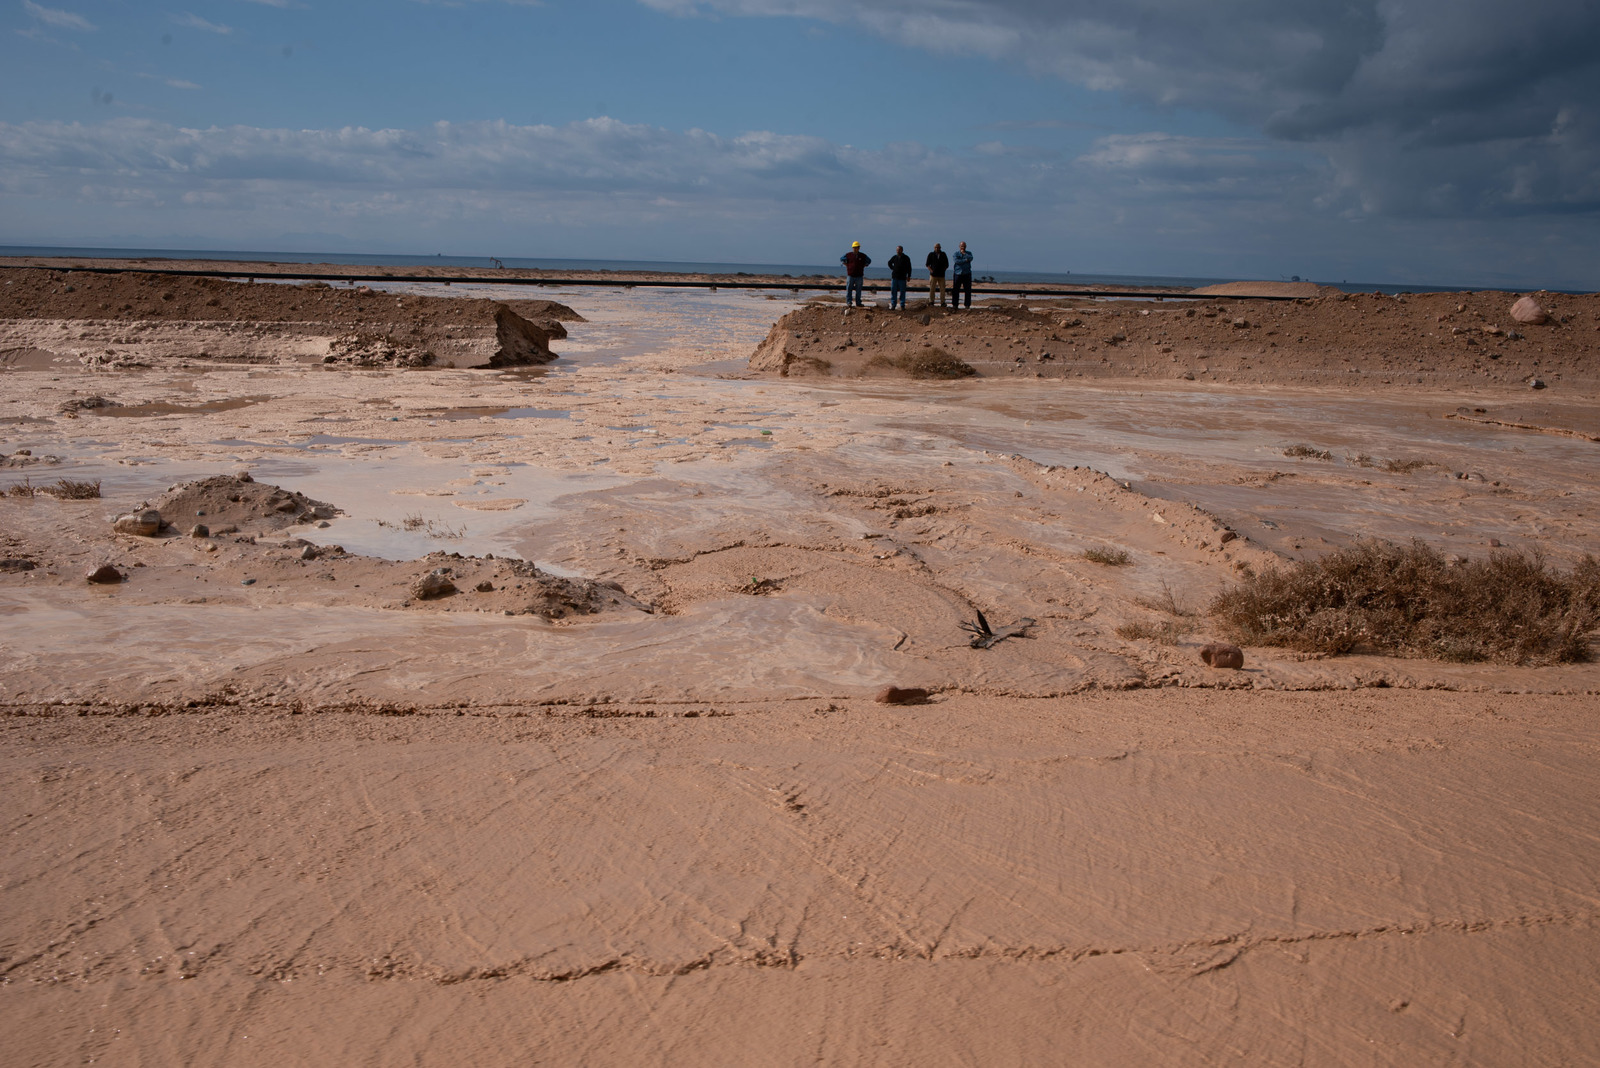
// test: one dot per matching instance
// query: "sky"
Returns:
(1444, 142)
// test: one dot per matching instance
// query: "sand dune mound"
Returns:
(139, 319)
(239, 501)
(1348, 341)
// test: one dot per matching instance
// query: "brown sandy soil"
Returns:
(1355, 342)
(268, 805)
(51, 318)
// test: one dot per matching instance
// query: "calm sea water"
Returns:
(685, 266)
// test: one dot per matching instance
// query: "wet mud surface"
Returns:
(263, 777)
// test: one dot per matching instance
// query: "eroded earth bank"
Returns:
(526, 714)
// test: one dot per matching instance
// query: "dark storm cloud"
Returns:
(1424, 107)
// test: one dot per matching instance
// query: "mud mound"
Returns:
(353, 326)
(1364, 341)
(239, 501)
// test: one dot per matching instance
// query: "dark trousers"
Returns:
(960, 282)
(897, 292)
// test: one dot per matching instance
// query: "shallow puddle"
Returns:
(133, 411)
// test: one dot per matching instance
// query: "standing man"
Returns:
(855, 265)
(899, 276)
(963, 277)
(938, 263)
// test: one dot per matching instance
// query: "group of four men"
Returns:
(856, 263)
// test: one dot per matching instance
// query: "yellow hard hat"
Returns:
(855, 244)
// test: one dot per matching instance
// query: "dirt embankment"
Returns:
(129, 319)
(1351, 341)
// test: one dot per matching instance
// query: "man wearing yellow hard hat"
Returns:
(855, 268)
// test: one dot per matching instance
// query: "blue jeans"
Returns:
(961, 282)
(897, 291)
(852, 285)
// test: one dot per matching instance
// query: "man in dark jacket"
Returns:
(963, 277)
(855, 265)
(899, 277)
(938, 263)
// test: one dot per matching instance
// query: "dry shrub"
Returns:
(1109, 557)
(929, 363)
(1405, 467)
(67, 489)
(1308, 452)
(1511, 608)
(25, 488)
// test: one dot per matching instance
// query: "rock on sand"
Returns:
(145, 523)
(1527, 310)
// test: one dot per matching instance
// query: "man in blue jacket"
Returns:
(961, 277)
(855, 266)
(899, 277)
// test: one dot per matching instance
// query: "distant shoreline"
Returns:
(484, 268)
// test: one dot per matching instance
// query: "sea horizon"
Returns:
(998, 275)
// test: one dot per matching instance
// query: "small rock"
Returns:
(925, 319)
(1223, 655)
(244, 476)
(896, 695)
(104, 575)
(1527, 310)
(1241, 323)
(1227, 536)
(324, 525)
(484, 587)
(1535, 383)
(15, 564)
(247, 582)
(1494, 543)
(308, 553)
(199, 530)
(1187, 376)
(146, 524)
(433, 584)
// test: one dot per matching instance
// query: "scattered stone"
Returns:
(104, 575)
(896, 695)
(244, 476)
(1228, 535)
(1187, 376)
(1494, 543)
(146, 524)
(485, 586)
(1223, 655)
(308, 553)
(1527, 310)
(247, 582)
(435, 583)
(199, 530)
(1535, 383)
(1241, 323)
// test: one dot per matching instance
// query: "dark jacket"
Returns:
(963, 264)
(900, 265)
(938, 263)
(855, 262)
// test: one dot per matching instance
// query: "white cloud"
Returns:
(50, 16)
(195, 22)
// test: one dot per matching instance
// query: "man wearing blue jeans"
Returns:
(855, 265)
(962, 278)
(899, 277)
